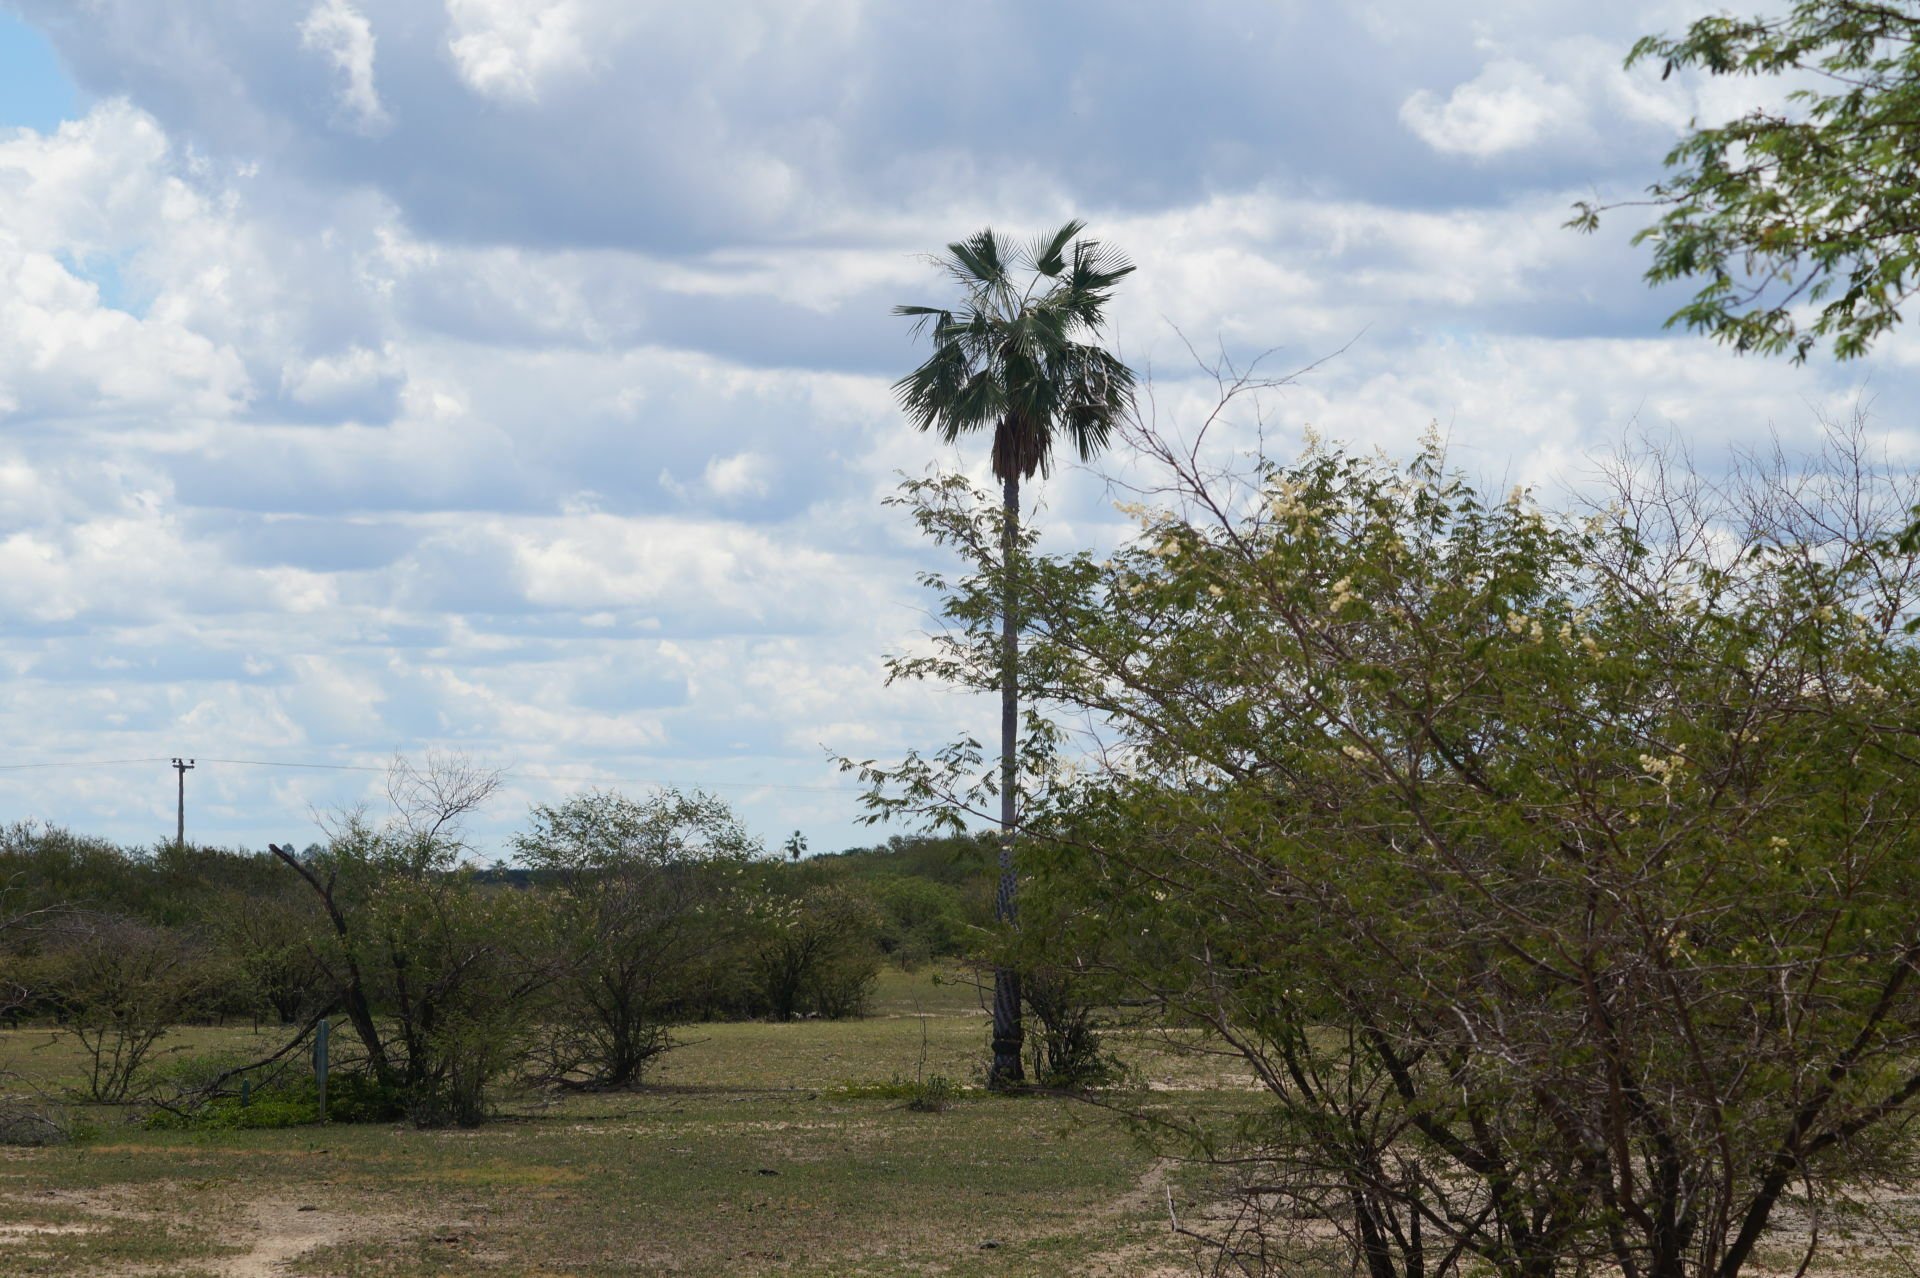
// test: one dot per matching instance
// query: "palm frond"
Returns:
(925, 317)
(978, 262)
(1048, 254)
(1097, 267)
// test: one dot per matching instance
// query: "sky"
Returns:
(512, 377)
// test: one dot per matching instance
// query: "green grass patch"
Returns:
(755, 1149)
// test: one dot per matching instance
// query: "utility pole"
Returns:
(180, 829)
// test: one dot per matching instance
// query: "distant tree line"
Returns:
(618, 920)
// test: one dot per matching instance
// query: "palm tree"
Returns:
(1011, 359)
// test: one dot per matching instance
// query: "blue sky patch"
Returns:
(35, 91)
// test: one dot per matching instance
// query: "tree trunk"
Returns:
(1006, 1070)
(353, 998)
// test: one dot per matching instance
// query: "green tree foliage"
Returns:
(1798, 222)
(272, 941)
(1556, 878)
(919, 920)
(814, 954)
(645, 930)
(48, 867)
(52, 881)
(435, 971)
(122, 985)
(962, 865)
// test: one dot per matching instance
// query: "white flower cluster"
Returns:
(1521, 624)
(1286, 504)
(1664, 770)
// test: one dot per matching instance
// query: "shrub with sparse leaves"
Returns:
(644, 925)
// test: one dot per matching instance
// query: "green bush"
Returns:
(816, 955)
(290, 1102)
(920, 920)
(189, 1073)
(1067, 1051)
(124, 984)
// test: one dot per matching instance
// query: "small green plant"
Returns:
(924, 1095)
(191, 1071)
(932, 1094)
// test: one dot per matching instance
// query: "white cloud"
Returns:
(1568, 94)
(62, 350)
(1509, 106)
(511, 49)
(340, 379)
(343, 34)
(738, 476)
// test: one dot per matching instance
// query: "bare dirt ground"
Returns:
(277, 1231)
(265, 1235)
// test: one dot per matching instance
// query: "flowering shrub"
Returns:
(1555, 876)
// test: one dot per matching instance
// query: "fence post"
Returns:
(320, 1064)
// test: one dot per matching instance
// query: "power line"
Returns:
(716, 785)
(82, 763)
(327, 767)
(521, 773)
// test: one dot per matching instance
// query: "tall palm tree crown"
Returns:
(1011, 358)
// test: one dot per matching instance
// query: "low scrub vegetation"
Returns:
(624, 921)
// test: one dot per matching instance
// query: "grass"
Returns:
(755, 1149)
(785, 1149)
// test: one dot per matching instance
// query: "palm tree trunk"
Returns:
(1006, 1070)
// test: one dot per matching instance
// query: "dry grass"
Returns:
(752, 1151)
(755, 1149)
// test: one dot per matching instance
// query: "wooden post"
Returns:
(320, 1065)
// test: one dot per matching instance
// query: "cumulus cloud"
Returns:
(100, 190)
(738, 476)
(357, 383)
(509, 49)
(1509, 106)
(1571, 94)
(534, 396)
(63, 350)
(335, 29)
(599, 123)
